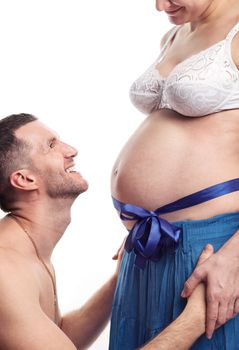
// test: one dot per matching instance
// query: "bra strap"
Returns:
(170, 37)
(231, 35)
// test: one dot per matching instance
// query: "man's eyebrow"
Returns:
(54, 137)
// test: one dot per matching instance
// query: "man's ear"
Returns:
(24, 179)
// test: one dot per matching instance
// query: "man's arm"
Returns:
(184, 331)
(84, 325)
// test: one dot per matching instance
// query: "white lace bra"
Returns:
(205, 83)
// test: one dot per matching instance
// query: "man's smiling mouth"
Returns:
(71, 169)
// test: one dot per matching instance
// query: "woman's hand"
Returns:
(220, 272)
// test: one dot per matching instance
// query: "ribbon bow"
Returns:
(150, 235)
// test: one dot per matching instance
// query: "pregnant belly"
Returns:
(171, 156)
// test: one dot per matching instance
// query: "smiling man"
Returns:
(37, 177)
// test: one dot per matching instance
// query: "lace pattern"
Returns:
(204, 83)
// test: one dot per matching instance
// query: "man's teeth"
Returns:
(71, 169)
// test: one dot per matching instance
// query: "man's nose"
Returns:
(69, 151)
(162, 5)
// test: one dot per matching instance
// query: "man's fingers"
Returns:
(206, 253)
(211, 318)
(191, 283)
(197, 276)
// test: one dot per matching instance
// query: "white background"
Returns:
(71, 63)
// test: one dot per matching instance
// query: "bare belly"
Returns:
(170, 156)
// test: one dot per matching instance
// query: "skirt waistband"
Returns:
(215, 227)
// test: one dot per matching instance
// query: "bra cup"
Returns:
(146, 96)
(145, 105)
(195, 99)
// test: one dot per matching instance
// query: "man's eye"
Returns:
(52, 144)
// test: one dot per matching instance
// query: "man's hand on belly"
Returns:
(221, 274)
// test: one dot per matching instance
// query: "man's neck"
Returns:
(45, 223)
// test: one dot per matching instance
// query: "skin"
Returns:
(193, 152)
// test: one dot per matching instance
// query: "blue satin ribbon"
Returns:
(152, 235)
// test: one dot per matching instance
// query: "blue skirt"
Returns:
(148, 300)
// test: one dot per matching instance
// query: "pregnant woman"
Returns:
(175, 183)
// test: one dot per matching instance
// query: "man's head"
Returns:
(34, 160)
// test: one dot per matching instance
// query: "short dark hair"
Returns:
(13, 153)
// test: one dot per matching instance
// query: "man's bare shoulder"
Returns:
(15, 265)
(13, 262)
(23, 324)
(18, 285)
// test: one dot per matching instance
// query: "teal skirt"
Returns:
(146, 301)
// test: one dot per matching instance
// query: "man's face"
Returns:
(53, 161)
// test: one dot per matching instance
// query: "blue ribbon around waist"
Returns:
(152, 235)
